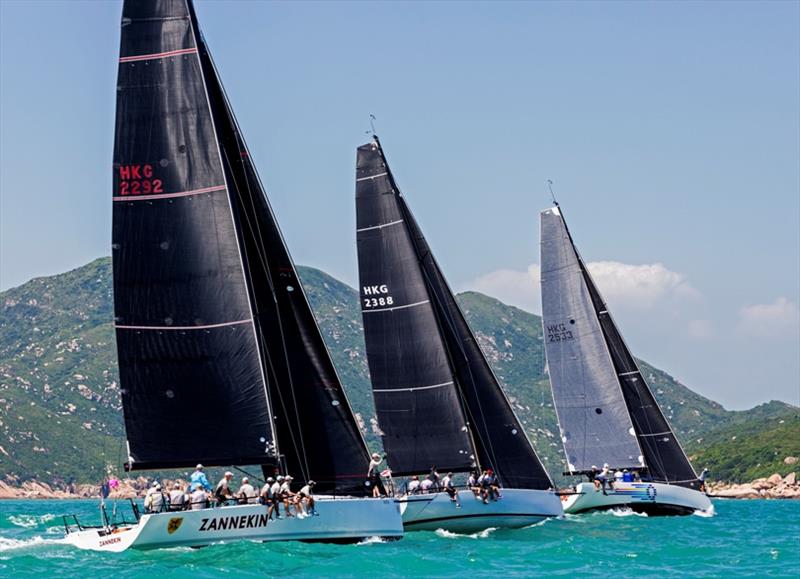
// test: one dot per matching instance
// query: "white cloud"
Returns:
(780, 318)
(519, 288)
(639, 286)
(631, 286)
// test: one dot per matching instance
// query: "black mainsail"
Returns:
(586, 351)
(438, 401)
(221, 360)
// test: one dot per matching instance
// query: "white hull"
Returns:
(339, 520)
(516, 508)
(651, 498)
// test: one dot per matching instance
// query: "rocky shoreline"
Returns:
(128, 488)
(773, 487)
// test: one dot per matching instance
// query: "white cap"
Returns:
(287, 477)
(199, 466)
(375, 455)
(177, 485)
(155, 484)
(280, 478)
(245, 479)
(228, 473)
(605, 465)
(270, 479)
(158, 487)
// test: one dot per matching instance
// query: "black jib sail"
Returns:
(663, 455)
(210, 312)
(433, 387)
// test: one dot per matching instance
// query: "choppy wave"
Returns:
(30, 521)
(479, 535)
(7, 544)
(372, 541)
(626, 512)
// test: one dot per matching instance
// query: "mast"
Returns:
(663, 455)
(498, 437)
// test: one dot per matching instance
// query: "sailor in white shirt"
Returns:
(413, 485)
(247, 494)
(177, 498)
(287, 495)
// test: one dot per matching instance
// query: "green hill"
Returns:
(60, 415)
(750, 449)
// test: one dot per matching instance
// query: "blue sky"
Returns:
(671, 132)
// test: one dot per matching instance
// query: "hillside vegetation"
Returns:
(60, 412)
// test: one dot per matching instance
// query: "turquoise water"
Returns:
(746, 538)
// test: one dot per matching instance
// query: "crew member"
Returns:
(198, 476)
(287, 495)
(305, 498)
(413, 485)
(223, 491)
(199, 497)
(374, 475)
(247, 494)
(450, 489)
(177, 498)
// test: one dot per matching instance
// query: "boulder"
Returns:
(790, 478)
(775, 479)
(762, 483)
(791, 460)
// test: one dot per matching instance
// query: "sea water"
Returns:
(757, 538)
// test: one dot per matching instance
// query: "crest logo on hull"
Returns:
(174, 524)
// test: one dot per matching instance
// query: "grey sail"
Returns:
(595, 424)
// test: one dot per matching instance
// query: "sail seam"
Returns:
(379, 226)
(202, 327)
(412, 388)
(370, 177)
(395, 308)
(655, 434)
(628, 373)
(169, 195)
(156, 55)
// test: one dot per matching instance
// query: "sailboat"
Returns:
(438, 402)
(607, 414)
(221, 361)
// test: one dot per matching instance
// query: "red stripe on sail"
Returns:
(157, 55)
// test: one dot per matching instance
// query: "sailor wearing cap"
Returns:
(223, 491)
(154, 499)
(305, 498)
(373, 474)
(287, 495)
(275, 495)
(177, 498)
(198, 497)
(198, 476)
